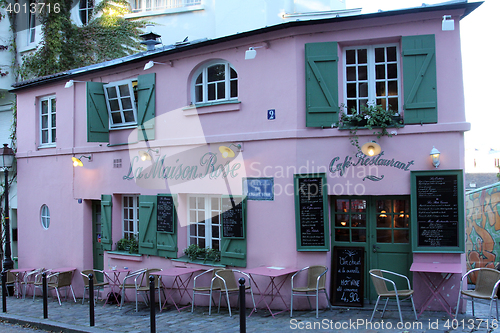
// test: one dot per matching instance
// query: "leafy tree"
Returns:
(108, 35)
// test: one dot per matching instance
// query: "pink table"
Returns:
(113, 276)
(273, 288)
(424, 269)
(19, 274)
(178, 284)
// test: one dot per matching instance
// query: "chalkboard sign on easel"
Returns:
(165, 214)
(347, 285)
(311, 213)
(232, 217)
(437, 211)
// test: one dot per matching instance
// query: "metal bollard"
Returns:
(4, 291)
(91, 299)
(243, 314)
(152, 302)
(44, 295)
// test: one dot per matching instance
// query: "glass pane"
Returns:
(233, 74)
(201, 242)
(201, 216)
(192, 230)
(192, 203)
(341, 205)
(342, 220)
(53, 119)
(234, 89)
(358, 220)
(358, 235)
(401, 236)
(199, 94)
(116, 118)
(215, 231)
(111, 92)
(351, 90)
(392, 71)
(362, 58)
(379, 54)
(384, 206)
(53, 105)
(401, 221)
(53, 138)
(113, 105)
(201, 230)
(221, 90)
(394, 104)
(350, 56)
(45, 136)
(392, 88)
(351, 73)
(380, 72)
(351, 104)
(192, 215)
(199, 79)
(127, 103)
(384, 236)
(391, 53)
(342, 235)
(362, 73)
(380, 88)
(358, 206)
(124, 90)
(129, 116)
(216, 219)
(201, 203)
(216, 73)
(211, 92)
(363, 90)
(45, 121)
(44, 107)
(383, 221)
(215, 204)
(215, 244)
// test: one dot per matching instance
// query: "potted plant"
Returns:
(128, 245)
(194, 252)
(370, 117)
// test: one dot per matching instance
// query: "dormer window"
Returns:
(215, 82)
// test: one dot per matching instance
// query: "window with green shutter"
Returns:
(233, 238)
(419, 79)
(321, 84)
(120, 105)
(106, 206)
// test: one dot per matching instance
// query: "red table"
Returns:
(178, 284)
(425, 269)
(273, 288)
(19, 274)
(113, 276)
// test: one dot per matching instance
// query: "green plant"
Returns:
(370, 117)
(195, 252)
(129, 245)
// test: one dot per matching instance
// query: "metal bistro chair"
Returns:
(97, 285)
(228, 285)
(143, 286)
(59, 280)
(380, 281)
(29, 280)
(316, 279)
(206, 289)
(140, 284)
(487, 284)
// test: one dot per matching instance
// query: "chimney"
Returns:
(150, 39)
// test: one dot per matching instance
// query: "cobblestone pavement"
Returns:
(74, 317)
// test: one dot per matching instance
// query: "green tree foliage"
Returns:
(108, 35)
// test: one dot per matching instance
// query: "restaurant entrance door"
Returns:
(98, 252)
(381, 225)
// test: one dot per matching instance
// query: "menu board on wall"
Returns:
(311, 213)
(165, 213)
(348, 276)
(232, 217)
(438, 211)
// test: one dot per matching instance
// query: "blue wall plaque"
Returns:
(258, 188)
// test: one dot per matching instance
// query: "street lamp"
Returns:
(6, 161)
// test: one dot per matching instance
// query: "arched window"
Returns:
(216, 81)
(86, 7)
(45, 216)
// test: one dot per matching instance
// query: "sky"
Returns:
(479, 34)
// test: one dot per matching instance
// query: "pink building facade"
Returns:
(165, 149)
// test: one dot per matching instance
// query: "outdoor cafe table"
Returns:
(113, 276)
(178, 284)
(19, 274)
(273, 288)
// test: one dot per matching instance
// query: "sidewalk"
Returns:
(74, 317)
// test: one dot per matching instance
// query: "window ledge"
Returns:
(204, 108)
(125, 256)
(165, 11)
(199, 262)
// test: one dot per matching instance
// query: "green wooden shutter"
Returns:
(419, 79)
(234, 250)
(147, 224)
(146, 105)
(106, 204)
(321, 84)
(97, 113)
(166, 242)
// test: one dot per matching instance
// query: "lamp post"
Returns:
(6, 160)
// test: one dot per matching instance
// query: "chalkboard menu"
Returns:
(311, 213)
(165, 213)
(233, 217)
(437, 210)
(348, 276)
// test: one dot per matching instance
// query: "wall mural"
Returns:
(483, 228)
